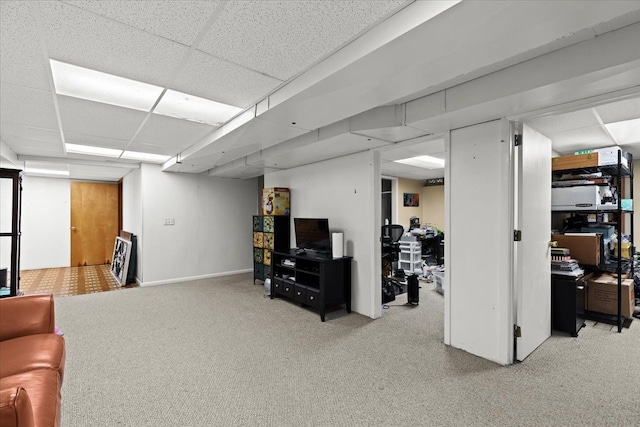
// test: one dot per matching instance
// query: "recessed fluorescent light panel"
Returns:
(145, 157)
(189, 107)
(625, 132)
(79, 82)
(425, 162)
(36, 171)
(92, 85)
(47, 169)
(91, 150)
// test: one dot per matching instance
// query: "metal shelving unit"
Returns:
(619, 171)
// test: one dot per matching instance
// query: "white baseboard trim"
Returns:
(190, 278)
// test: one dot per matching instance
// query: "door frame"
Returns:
(394, 196)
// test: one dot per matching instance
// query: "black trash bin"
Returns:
(413, 286)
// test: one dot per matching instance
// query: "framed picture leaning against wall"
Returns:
(120, 259)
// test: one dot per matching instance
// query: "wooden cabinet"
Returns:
(312, 280)
(270, 233)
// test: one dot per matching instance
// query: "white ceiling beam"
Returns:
(79, 162)
(405, 20)
(412, 16)
(8, 154)
(603, 64)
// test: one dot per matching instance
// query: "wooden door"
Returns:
(94, 222)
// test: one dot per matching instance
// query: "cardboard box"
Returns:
(602, 295)
(585, 248)
(575, 161)
(275, 201)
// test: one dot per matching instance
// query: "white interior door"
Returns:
(532, 261)
(479, 241)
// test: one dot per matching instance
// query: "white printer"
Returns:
(583, 197)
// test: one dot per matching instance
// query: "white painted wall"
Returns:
(46, 204)
(45, 241)
(212, 234)
(405, 213)
(479, 260)
(132, 213)
(344, 191)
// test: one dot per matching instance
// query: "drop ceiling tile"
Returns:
(172, 132)
(213, 78)
(97, 119)
(563, 122)
(83, 38)
(27, 107)
(618, 111)
(22, 61)
(580, 139)
(33, 147)
(283, 38)
(179, 21)
(29, 132)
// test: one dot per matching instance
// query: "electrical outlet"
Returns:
(169, 221)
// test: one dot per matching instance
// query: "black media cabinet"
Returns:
(312, 279)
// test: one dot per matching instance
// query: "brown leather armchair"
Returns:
(32, 360)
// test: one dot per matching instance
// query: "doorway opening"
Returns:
(412, 201)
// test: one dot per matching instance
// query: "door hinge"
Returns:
(517, 332)
(517, 235)
(517, 140)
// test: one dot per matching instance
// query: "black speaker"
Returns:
(413, 287)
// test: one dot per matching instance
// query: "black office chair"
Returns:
(391, 234)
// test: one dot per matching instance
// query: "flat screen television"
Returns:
(312, 234)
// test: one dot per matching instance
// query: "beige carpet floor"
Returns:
(218, 353)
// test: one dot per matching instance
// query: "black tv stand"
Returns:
(311, 279)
